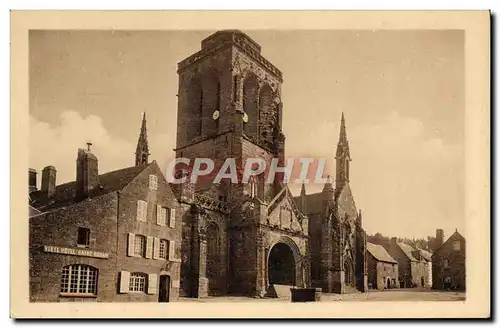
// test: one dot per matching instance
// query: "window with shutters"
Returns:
(161, 213)
(140, 245)
(163, 251)
(142, 210)
(138, 282)
(83, 238)
(79, 280)
(153, 182)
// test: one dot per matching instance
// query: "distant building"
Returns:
(382, 268)
(448, 264)
(427, 257)
(109, 237)
(413, 269)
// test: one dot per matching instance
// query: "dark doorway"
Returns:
(281, 265)
(213, 260)
(349, 277)
(388, 283)
(422, 281)
(164, 292)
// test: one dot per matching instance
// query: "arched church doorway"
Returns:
(213, 259)
(349, 276)
(281, 265)
(388, 283)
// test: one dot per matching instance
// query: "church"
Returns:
(131, 235)
(248, 238)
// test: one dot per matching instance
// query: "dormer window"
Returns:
(153, 182)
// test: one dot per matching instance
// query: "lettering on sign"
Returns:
(74, 251)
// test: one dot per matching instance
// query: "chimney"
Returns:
(32, 180)
(87, 173)
(49, 180)
(439, 237)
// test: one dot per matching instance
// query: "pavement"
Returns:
(410, 294)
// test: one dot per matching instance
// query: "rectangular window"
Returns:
(79, 279)
(445, 263)
(163, 252)
(153, 182)
(142, 210)
(161, 215)
(140, 246)
(137, 282)
(456, 245)
(83, 239)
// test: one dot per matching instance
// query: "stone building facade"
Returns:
(238, 238)
(337, 237)
(448, 264)
(105, 237)
(382, 268)
(413, 268)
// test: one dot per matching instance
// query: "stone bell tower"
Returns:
(229, 106)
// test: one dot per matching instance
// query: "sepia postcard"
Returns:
(250, 164)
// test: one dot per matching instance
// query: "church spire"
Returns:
(328, 187)
(343, 144)
(303, 189)
(142, 150)
(342, 157)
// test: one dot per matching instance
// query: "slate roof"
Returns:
(425, 254)
(65, 194)
(314, 203)
(407, 249)
(379, 253)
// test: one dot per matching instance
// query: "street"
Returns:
(414, 294)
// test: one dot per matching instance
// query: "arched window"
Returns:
(138, 282)
(347, 168)
(267, 117)
(79, 280)
(250, 103)
(194, 107)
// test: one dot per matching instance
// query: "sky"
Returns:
(402, 94)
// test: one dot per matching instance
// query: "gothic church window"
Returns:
(194, 108)
(250, 103)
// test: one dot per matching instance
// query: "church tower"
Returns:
(229, 107)
(343, 159)
(142, 150)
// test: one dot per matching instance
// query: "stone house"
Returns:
(109, 237)
(411, 266)
(382, 268)
(426, 256)
(448, 264)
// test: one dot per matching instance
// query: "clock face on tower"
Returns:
(215, 115)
